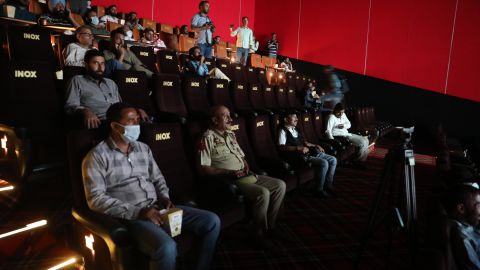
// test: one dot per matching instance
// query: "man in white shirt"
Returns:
(244, 40)
(338, 125)
(294, 149)
(74, 53)
(111, 15)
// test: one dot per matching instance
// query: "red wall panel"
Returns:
(409, 41)
(281, 17)
(334, 32)
(465, 60)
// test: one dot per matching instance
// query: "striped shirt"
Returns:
(120, 184)
(272, 47)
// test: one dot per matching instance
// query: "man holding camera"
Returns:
(203, 24)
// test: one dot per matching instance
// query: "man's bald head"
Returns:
(220, 118)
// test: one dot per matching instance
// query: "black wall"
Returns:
(402, 105)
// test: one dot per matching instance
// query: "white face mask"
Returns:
(129, 33)
(130, 133)
(95, 20)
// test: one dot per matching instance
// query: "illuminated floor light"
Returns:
(6, 188)
(63, 264)
(27, 227)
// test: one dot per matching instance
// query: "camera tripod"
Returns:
(398, 171)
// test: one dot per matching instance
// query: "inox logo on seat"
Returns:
(306, 119)
(25, 74)
(31, 36)
(260, 124)
(240, 87)
(144, 53)
(167, 83)
(169, 57)
(235, 127)
(219, 85)
(162, 136)
(195, 84)
(131, 80)
(255, 88)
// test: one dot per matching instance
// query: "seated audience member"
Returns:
(59, 14)
(74, 53)
(219, 155)
(184, 30)
(295, 150)
(120, 57)
(132, 21)
(216, 40)
(128, 33)
(79, 6)
(151, 39)
(272, 46)
(196, 66)
(138, 197)
(312, 99)
(337, 127)
(91, 20)
(462, 203)
(21, 10)
(110, 15)
(91, 95)
(287, 65)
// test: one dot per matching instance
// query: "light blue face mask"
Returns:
(95, 20)
(130, 133)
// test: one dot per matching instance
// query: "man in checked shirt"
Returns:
(121, 179)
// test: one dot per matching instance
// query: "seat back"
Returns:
(240, 128)
(147, 23)
(256, 96)
(269, 97)
(185, 43)
(71, 71)
(238, 73)
(195, 94)
(251, 75)
(79, 143)
(219, 93)
(210, 63)
(282, 96)
(220, 50)
(168, 62)
(29, 99)
(225, 66)
(239, 93)
(308, 130)
(30, 44)
(261, 137)
(291, 81)
(146, 55)
(262, 76)
(292, 98)
(133, 88)
(168, 94)
(319, 124)
(300, 84)
(166, 142)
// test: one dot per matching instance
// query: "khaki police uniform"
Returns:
(223, 151)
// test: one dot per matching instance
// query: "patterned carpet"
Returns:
(326, 232)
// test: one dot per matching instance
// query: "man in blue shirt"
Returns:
(196, 66)
(204, 25)
(463, 205)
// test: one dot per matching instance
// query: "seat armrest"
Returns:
(110, 229)
(276, 166)
(215, 185)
